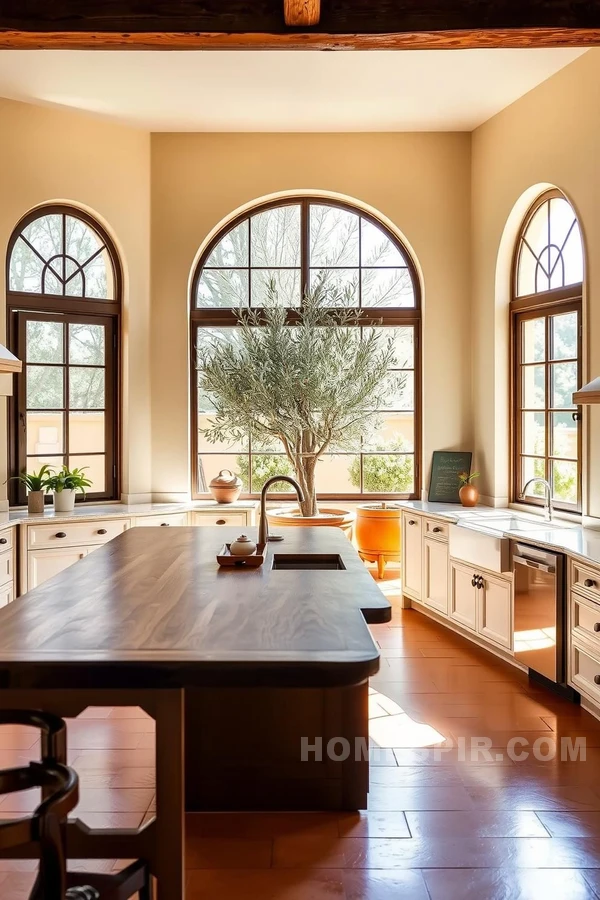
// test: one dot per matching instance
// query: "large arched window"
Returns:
(292, 243)
(63, 302)
(546, 317)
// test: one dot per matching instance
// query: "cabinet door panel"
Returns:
(495, 611)
(412, 528)
(44, 564)
(463, 596)
(435, 575)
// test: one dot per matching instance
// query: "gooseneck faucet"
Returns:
(548, 508)
(263, 528)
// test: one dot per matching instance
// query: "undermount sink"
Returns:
(513, 523)
(307, 561)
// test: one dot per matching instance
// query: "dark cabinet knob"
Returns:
(474, 581)
(589, 582)
(60, 534)
(436, 530)
(480, 582)
(596, 626)
(596, 679)
(3, 541)
(164, 524)
(220, 521)
(411, 522)
(102, 531)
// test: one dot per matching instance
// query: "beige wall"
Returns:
(52, 155)
(549, 137)
(421, 182)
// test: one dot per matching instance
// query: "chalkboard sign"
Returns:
(445, 469)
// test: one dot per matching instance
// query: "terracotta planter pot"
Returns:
(378, 533)
(35, 502)
(226, 487)
(469, 495)
(328, 516)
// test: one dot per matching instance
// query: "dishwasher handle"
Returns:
(531, 564)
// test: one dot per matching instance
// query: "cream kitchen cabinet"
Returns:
(494, 609)
(176, 519)
(435, 574)
(44, 564)
(412, 556)
(8, 569)
(462, 606)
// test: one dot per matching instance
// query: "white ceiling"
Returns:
(435, 90)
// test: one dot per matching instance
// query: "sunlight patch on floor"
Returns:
(390, 726)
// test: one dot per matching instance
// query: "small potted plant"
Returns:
(468, 493)
(65, 484)
(37, 484)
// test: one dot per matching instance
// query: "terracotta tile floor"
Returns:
(442, 824)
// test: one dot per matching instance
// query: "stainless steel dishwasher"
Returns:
(539, 611)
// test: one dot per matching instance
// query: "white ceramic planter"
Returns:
(64, 501)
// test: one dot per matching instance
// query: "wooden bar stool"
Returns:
(46, 826)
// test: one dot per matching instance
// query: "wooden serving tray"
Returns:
(256, 559)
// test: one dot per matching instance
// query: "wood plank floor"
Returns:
(443, 821)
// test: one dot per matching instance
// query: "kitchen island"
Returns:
(254, 661)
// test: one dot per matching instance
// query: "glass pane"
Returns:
(533, 335)
(573, 257)
(98, 278)
(390, 473)
(338, 474)
(280, 287)
(74, 287)
(400, 390)
(208, 339)
(95, 467)
(275, 237)
(232, 250)
(392, 432)
(86, 432)
(35, 463)
(264, 466)
(563, 379)
(205, 446)
(562, 219)
(564, 435)
(564, 481)
(81, 241)
(534, 387)
(45, 234)
(45, 387)
(564, 336)
(51, 284)
(403, 339)
(534, 433)
(44, 341)
(44, 433)
(341, 285)
(86, 388)
(228, 287)
(526, 271)
(86, 344)
(25, 269)
(210, 465)
(333, 236)
(376, 249)
(387, 287)
(533, 468)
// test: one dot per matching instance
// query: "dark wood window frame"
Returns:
(546, 305)
(27, 305)
(220, 317)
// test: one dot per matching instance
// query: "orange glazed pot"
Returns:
(378, 533)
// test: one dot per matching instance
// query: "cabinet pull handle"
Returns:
(596, 626)
(411, 522)
(589, 582)
(474, 581)
(164, 524)
(596, 679)
(102, 531)
(3, 541)
(61, 534)
(220, 521)
(437, 530)
(480, 582)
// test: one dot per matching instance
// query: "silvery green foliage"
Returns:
(314, 385)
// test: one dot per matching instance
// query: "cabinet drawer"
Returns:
(6, 594)
(232, 518)
(585, 669)
(585, 580)
(164, 521)
(6, 567)
(74, 534)
(7, 538)
(585, 619)
(438, 530)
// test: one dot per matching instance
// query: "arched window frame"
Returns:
(386, 316)
(544, 306)
(22, 306)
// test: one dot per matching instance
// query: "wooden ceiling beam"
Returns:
(260, 24)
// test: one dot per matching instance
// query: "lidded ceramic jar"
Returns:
(226, 487)
(242, 546)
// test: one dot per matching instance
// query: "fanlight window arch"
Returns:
(550, 252)
(275, 252)
(61, 254)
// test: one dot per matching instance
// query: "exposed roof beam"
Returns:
(344, 24)
(301, 13)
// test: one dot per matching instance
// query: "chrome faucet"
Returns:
(263, 528)
(548, 508)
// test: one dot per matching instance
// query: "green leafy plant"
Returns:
(310, 382)
(35, 481)
(385, 473)
(69, 480)
(264, 466)
(466, 478)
